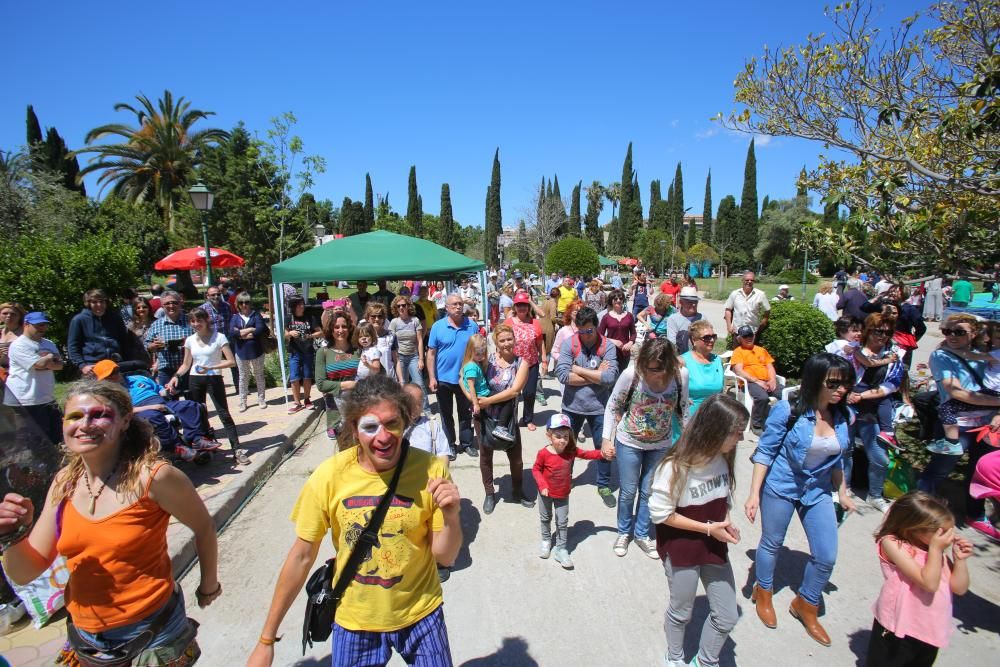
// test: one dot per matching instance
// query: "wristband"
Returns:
(268, 642)
(708, 528)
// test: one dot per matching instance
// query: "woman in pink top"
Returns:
(913, 610)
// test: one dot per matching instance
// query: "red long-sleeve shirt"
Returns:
(554, 472)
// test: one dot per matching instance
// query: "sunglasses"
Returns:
(709, 338)
(402, 305)
(587, 332)
(371, 426)
(954, 332)
(833, 384)
(94, 414)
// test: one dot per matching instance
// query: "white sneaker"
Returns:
(545, 549)
(10, 614)
(562, 557)
(674, 663)
(648, 546)
(621, 545)
(881, 504)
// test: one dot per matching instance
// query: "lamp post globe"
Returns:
(202, 199)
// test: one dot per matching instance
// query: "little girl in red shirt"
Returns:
(553, 472)
(913, 610)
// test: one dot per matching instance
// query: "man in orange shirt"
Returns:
(756, 365)
(671, 287)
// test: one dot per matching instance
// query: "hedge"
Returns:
(574, 257)
(795, 331)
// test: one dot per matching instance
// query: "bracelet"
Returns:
(199, 594)
(708, 528)
(268, 642)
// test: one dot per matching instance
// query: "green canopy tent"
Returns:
(377, 255)
(606, 262)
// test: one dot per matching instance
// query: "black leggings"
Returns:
(885, 648)
(201, 385)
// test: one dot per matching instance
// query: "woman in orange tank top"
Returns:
(107, 513)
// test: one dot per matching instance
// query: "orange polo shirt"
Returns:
(754, 361)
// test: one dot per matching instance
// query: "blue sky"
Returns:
(560, 88)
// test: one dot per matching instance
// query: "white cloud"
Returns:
(710, 132)
(675, 122)
(762, 140)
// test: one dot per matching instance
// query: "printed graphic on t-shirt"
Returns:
(384, 565)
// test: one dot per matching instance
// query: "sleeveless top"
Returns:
(500, 379)
(905, 609)
(119, 569)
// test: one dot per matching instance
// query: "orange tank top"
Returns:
(119, 570)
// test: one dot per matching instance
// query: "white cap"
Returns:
(781, 287)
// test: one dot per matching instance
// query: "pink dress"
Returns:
(905, 609)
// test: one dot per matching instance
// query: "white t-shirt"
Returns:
(821, 449)
(440, 299)
(827, 303)
(205, 354)
(371, 354)
(991, 376)
(702, 486)
(427, 434)
(27, 385)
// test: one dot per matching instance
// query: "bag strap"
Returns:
(369, 536)
(968, 366)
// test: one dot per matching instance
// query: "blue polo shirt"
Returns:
(449, 343)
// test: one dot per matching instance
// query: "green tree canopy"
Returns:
(573, 256)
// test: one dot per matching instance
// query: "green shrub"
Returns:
(794, 277)
(776, 266)
(51, 274)
(573, 256)
(795, 331)
(272, 371)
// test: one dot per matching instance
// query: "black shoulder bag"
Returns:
(323, 596)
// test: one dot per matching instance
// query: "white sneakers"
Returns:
(648, 546)
(545, 549)
(621, 545)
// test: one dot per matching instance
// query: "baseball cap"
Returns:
(522, 297)
(559, 420)
(781, 287)
(37, 317)
(689, 293)
(745, 331)
(104, 369)
(518, 274)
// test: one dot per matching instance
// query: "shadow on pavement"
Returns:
(787, 573)
(692, 634)
(513, 652)
(975, 614)
(858, 643)
(313, 662)
(581, 530)
(470, 528)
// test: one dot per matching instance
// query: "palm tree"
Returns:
(157, 159)
(613, 193)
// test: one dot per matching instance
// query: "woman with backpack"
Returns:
(644, 417)
(797, 464)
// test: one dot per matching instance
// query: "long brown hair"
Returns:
(662, 350)
(912, 514)
(328, 328)
(718, 417)
(140, 447)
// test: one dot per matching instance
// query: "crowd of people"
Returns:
(637, 366)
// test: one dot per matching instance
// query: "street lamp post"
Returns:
(202, 199)
(320, 230)
(663, 247)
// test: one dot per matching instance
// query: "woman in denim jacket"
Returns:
(798, 462)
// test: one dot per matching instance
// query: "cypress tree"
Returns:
(414, 217)
(595, 202)
(347, 221)
(627, 227)
(494, 220)
(369, 204)
(831, 215)
(574, 212)
(654, 195)
(556, 197)
(34, 129)
(726, 224)
(679, 205)
(706, 214)
(800, 186)
(548, 193)
(671, 212)
(747, 238)
(447, 230)
(637, 193)
(764, 204)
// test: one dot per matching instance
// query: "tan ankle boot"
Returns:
(806, 614)
(765, 609)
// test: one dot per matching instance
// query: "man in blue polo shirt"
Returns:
(446, 348)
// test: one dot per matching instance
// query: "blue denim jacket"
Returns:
(786, 476)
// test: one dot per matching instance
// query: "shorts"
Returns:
(423, 644)
(301, 366)
(949, 410)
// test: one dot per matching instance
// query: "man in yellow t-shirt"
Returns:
(756, 365)
(567, 294)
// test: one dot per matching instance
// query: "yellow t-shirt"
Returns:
(754, 361)
(430, 311)
(398, 585)
(567, 295)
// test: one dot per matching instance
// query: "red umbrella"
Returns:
(194, 258)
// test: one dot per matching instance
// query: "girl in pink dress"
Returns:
(923, 563)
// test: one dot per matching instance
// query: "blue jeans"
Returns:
(301, 365)
(635, 476)
(878, 459)
(174, 628)
(411, 373)
(820, 524)
(596, 423)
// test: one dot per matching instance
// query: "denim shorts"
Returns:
(301, 365)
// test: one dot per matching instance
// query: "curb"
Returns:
(224, 506)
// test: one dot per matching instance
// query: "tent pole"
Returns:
(279, 335)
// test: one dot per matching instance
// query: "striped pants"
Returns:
(424, 644)
(257, 366)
